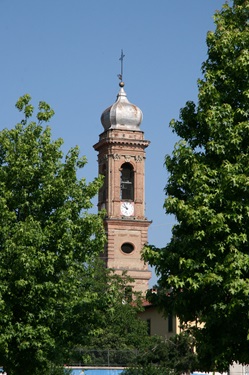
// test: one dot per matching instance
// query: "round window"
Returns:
(127, 248)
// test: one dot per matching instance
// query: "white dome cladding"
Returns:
(122, 114)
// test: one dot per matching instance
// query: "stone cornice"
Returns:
(138, 143)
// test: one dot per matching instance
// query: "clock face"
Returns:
(127, 208)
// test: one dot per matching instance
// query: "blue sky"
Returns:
(66, 52)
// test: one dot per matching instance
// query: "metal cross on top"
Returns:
(120, 76)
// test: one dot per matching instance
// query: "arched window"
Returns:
(127, 182)
(102, 191)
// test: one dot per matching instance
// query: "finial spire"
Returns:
(120, 76)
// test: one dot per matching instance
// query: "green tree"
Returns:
(174, 356)
(47, 239)
(116, 332)
(204, 269)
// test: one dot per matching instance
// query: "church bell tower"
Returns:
(121, 159)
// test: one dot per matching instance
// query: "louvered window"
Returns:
(127, 182)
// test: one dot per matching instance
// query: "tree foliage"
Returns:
(47, 240)
(116, 331)
(204, 269)
(119, 325)
(173, 356)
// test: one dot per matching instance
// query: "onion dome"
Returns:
(122, 114)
